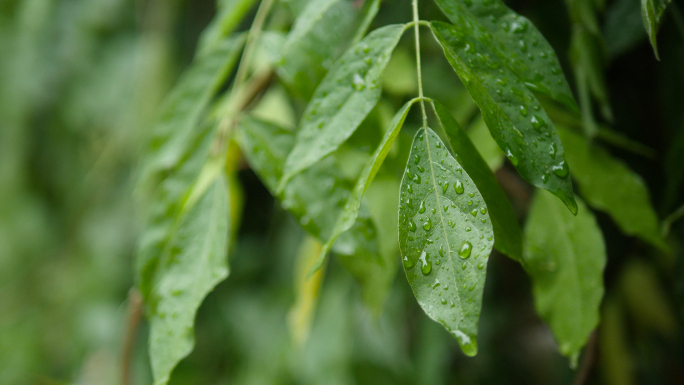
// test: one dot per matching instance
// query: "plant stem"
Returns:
(416, 29)
(227, 123)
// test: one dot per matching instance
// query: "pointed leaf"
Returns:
(610, 186)
(507, 231)
(183, 108)
(512, 113)
(229, 14)
(652, 13)
(193, 262)
(445, 237)
(343, 99)
(565, 256)
(351, 209)
(513, 41)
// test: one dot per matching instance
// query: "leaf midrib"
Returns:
(441, 218)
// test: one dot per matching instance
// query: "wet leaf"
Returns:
(512, 113)
(512, 41)
(193, 262)
(565, 256)
(229, 15)
(343, 99)
(445, 237)
(507, 231)
(609, 185)
(652, 13)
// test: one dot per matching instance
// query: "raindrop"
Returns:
(445, 186)
(474, 212)
(358, 83)
(561, 170)
(538, 123)
(412, 226)
(458, 186)
(523, 110)
(427, 225)
(426, 266)
(464, 251)
(483, 210)
(553, 150)
(421, 209)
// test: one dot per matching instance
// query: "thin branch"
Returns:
(416, 29)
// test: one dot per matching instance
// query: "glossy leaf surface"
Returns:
(507, 231)
(193, 262)
(514, 42)
(565, 256)
(343, 99)
(445, 237)
(610, 186)
(512, 113)
(652, 13)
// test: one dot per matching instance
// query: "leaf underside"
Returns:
(565, 256)
(652, 13)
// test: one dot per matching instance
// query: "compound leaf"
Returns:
(445, 237)
(512, 113)
(565, 256)
(343, 99)
(507, 231)
(610, 186)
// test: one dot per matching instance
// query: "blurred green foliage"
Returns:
(81, 82)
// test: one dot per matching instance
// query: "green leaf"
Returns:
(307, 289)
(353, 204)
(343, 99)
(609, 185)
(616, 361)
(193, 262)
(513, 41)
(445, 237)
(183, 108)
(565, 256)
(512, 113)
(652, 13)
(314, 41)
(507, 231)
(485, 144)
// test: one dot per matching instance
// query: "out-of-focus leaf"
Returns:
(445, 237)
(353, 204)
(623, 27)
(485, 144)
(646, 300)
(366, 16)
(609, 185)
(507, 232)
(315, 197)
(511, 41)
(565, 256)
(652, 13)
(275, 107)
(399, 77)
(230, 13)
(182, 109)
(306, 290)
(512, 113)
(313, 43)
(343, 99)
(616, 361)
(193, 262)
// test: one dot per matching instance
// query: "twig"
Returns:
(587, 361)
(134, 313)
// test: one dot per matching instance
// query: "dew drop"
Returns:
(421, 209)
(561, 170)
(464, 251)
(445, 186)
(473, 212)
(426, 266)
(458, 186)
(523, 110)
(427, 225)
(412, 226)
(358, 83)
(483, 210)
